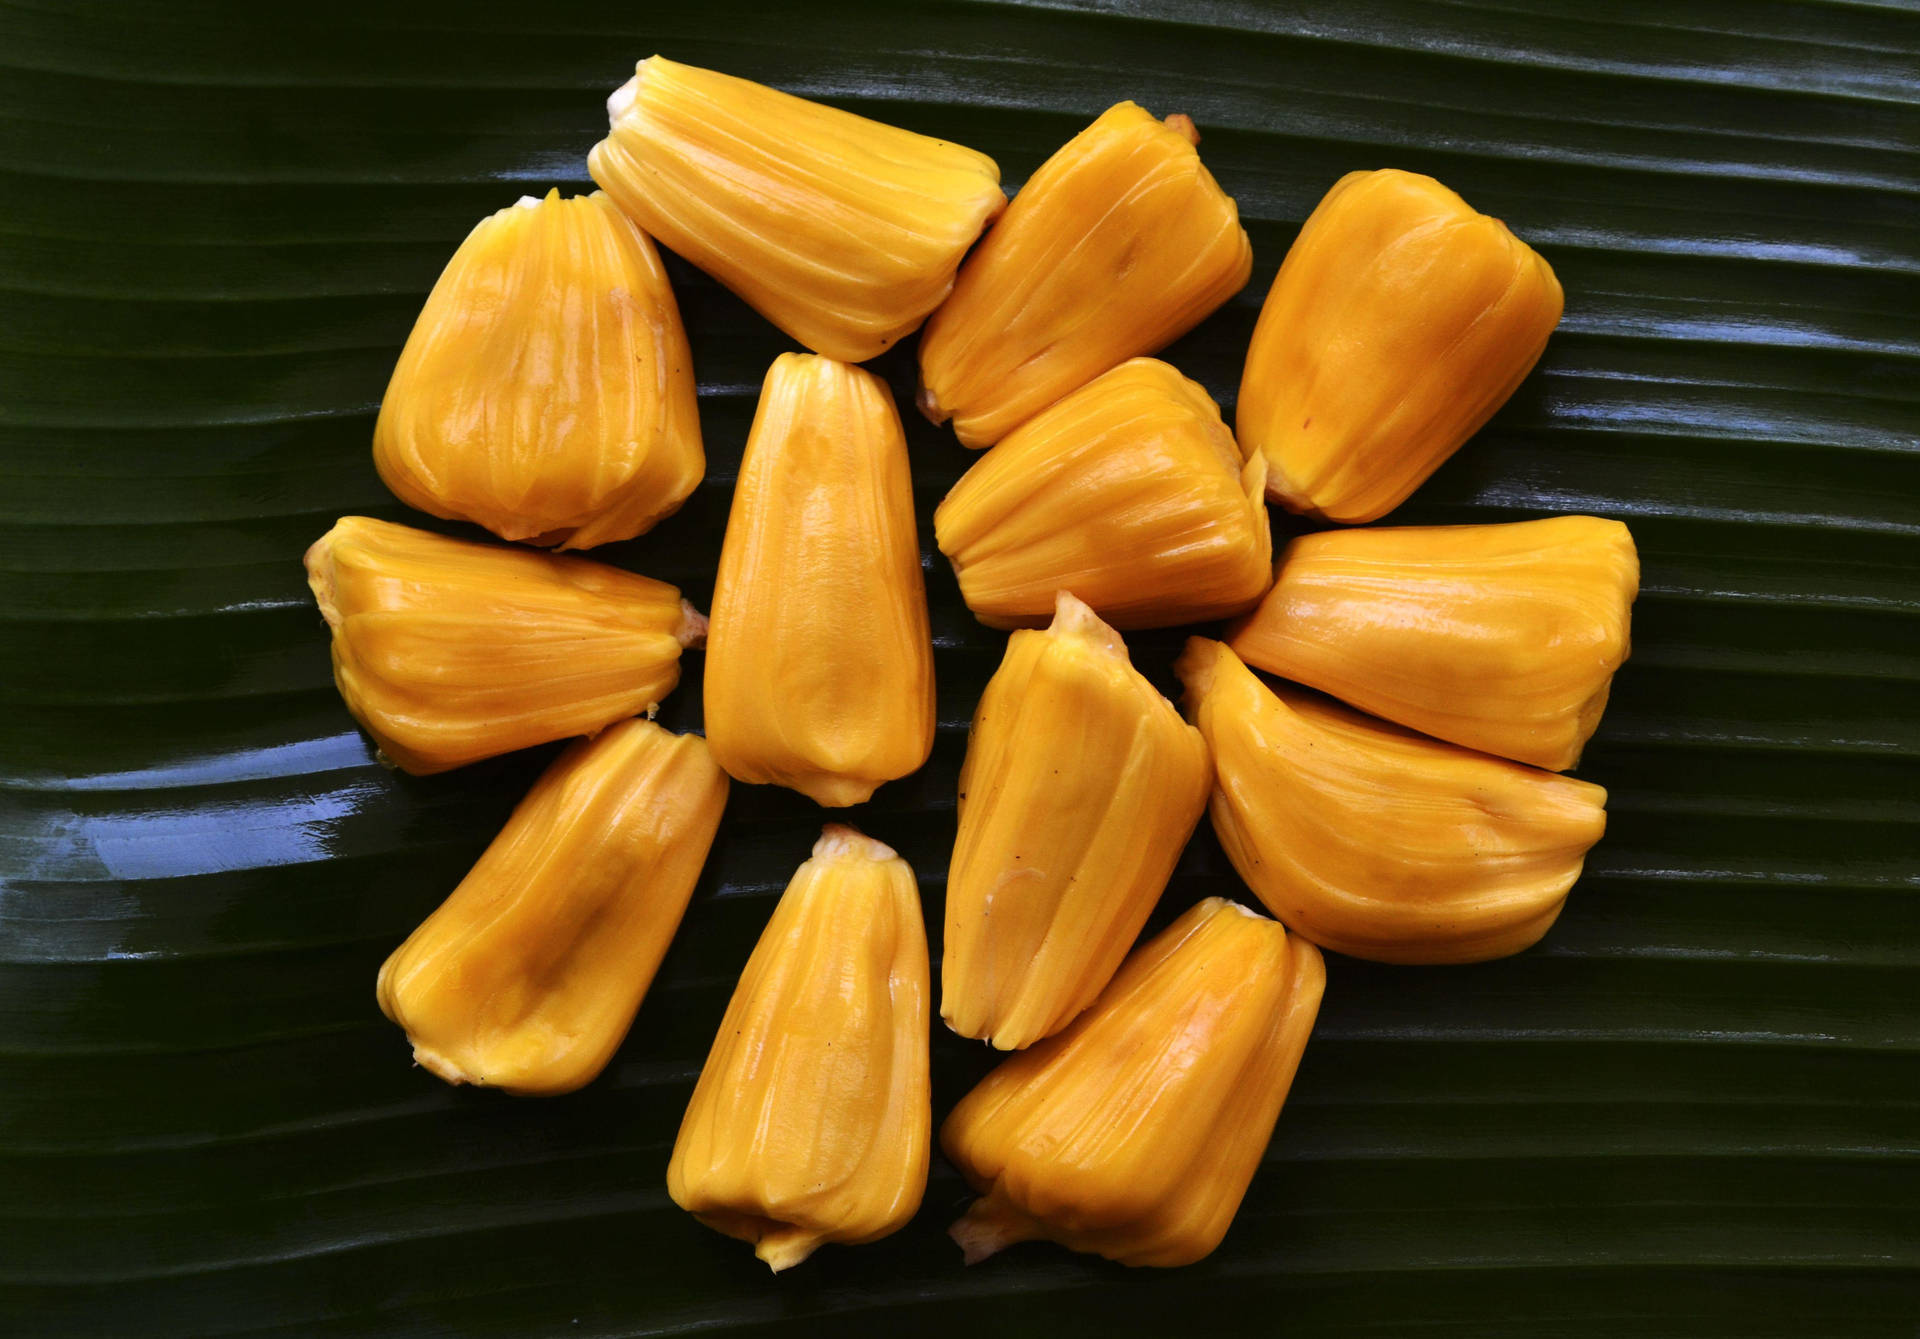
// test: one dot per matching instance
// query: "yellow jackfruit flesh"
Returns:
(448, 651)
(546, 391)
(1130, 493)
(820, 660)
(528, 976)
(812, 1119)
(1502, 638)
(842, 231)
(1118, 245)
(1080, 789)
(1374, 841)
(1134, 1133)
(1399, 322)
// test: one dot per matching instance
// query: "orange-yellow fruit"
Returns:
(1399, 322)
(1377, 842)
(1134, 1133)
(842, 231)
(1503, 638)
(1080, 789)
(1119, 244)
(812, 1119)
(448, 651)
(528, 976)
(820, 661)
(546, 391)
(1130, 493)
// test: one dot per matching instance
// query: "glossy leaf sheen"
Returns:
(1690, 1111)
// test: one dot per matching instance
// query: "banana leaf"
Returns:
(1694, 1110)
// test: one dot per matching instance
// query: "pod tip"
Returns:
(989, 1227)
(1197, 665)
(841, 839)
(929, 404)
(1074, 617)
(786, 1247)
(692, 631)
(622, 100)
(443, 1067)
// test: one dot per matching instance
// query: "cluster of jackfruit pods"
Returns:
(546, 393)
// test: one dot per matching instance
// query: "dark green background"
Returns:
(1694, 1110)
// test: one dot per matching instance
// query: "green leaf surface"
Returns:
(1694, 1110)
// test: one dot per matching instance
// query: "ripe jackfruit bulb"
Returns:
(820, 660)
(1135, 1133)
(1399, 322)
(1130, 492)
(1118, 245)
(448, 651)
(1502, 638)
(1377, 842)
(1080, 789)
(546, 391)
(528, 976)
(812, 1119)
(842, 231)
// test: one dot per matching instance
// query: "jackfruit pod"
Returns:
(546, 391)
(1080, 789)
(529, 975)
(1119, 244)
(1398, 323)
(820, 660)
(812, 1118)
(1135, 1133)
(447, 651)
(1502, 638)
(1377, 842)
(1130, 493)
(842, 231)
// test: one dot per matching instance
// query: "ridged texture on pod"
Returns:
(812, 1119)
(1399, 322)
(1134, 1133)
(843, 232)
(1503, 638)
(1130, 493)
(1378, 842)
(546, 391)
(528, 976)
(448, 651)
(820, 661)
(1080, 789)
(1119, 244)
